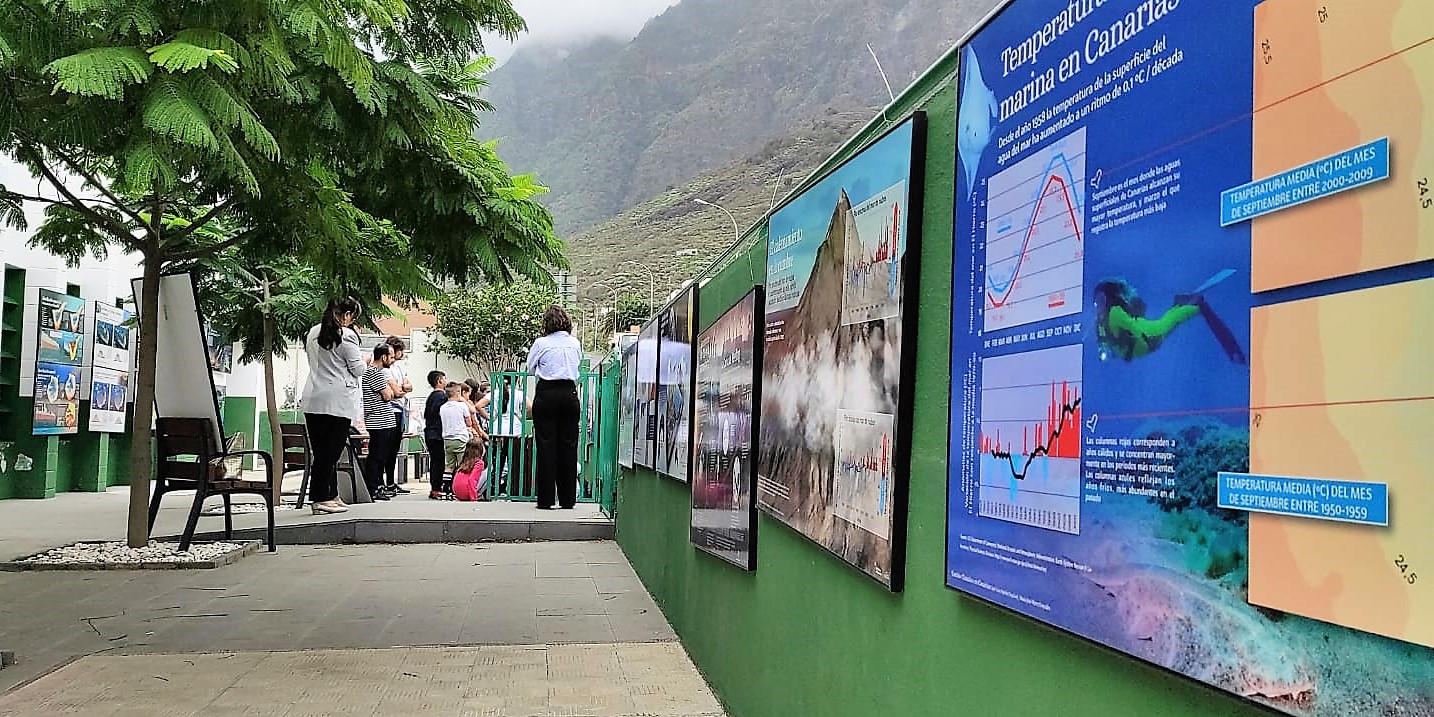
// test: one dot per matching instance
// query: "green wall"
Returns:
(808, 635)
(88, 462)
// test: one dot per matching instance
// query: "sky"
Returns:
(559, 20)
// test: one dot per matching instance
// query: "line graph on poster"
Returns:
(1035, 233)
(1030, 439)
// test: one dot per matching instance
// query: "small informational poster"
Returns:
(61, 329)
(644, 446)
(221, 353)
(59, 354)
(110, 369)
(57, 400)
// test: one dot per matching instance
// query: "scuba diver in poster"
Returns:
(1124, 332)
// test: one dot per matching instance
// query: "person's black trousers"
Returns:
(327, 437)
(555, 427)
(435, 463)
(381, 443)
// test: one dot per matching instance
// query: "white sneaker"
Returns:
(328, 508)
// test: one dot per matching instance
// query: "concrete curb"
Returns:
(249, 548)
(425, 531)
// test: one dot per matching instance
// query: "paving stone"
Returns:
(525, 681)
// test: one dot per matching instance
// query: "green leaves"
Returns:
(172, 112)
(183, 57)
(101, 71)
(12, 212)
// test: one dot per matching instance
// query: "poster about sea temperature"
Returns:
(1194, 272)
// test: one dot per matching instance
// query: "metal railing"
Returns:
(512, 451)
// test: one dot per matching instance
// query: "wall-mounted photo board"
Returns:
(110, 364)
(1194, 261)
(644, 444)
(838, 354)
(724, 496)
(676, 332)
(627, 402)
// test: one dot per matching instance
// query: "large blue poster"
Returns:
(1142, 349)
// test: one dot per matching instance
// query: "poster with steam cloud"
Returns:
(675, 333)
(1194, 263)
(644, 443)
(627, 400)
(724, 507)
(832, 457)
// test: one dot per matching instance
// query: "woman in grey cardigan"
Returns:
(331, 399)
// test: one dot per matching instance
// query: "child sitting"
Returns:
(468, 478)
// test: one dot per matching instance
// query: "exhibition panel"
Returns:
(724, 517)
(676, 331)
(59, 358)
(644, 445)
(110, 364)
(627, 406)
(1192, 305)
(835, 408)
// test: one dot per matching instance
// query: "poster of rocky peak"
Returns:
(832, 458)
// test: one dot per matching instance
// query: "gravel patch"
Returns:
(242, 508)
(119, 556)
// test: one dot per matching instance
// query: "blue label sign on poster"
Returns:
(1344, 501)
(1336, 173)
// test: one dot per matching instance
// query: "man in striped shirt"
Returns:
(380, 420)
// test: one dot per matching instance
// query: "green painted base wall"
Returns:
(807, 635)
(86, 462)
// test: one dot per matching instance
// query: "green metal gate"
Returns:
(609, 401)
(512, 450)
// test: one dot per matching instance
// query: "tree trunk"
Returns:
(141, 456)
(276, 432)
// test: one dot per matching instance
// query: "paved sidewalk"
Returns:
(638, 680)
(338, 599)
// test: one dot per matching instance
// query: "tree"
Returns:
(265, 308)
(632, 310)
(150, 121)
(490, 329)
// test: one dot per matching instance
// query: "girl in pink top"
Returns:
(469, 478)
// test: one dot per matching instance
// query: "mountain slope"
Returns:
(608, 124)
(672, 237)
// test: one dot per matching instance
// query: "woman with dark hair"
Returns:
(554, 360)
(331, 398)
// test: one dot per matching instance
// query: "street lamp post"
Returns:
(613, 295)
(736, 231)
(651, 282)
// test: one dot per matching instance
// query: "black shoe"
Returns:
(399, 489)
(380, 495)
(546, 507)
(568, 507)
